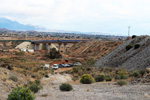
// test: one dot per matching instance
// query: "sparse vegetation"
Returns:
(21, 53)
(142, 72)
(108, 78)
(133, 36)
(136, 46)
(13, 78)
(21, 93)
(65, 87)
(100, 78)
(86, 79)
(121, 83)
(54, 54)
(128, 47)
(34, 86)
(46, 76)
(134, 74)
(120, 74)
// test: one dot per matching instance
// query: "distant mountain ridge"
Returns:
(14, 25)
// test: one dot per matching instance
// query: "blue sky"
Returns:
(106, 16)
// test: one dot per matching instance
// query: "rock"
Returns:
(148, 70)
(146, 95)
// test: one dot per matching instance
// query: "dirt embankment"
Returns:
(93, 49)
(132, 59)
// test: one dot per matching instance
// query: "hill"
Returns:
(13, 25)
(93, 49)
(132, 59)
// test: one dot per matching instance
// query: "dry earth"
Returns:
(93, 49)
(95, 91)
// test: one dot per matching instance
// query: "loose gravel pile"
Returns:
(132, 59)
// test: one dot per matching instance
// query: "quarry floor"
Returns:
(95, 91)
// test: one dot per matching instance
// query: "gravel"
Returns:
(96, 91)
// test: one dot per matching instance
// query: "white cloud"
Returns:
(81, 15)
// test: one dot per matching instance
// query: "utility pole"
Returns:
(128, 31)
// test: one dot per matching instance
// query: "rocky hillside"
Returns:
(131, 59)
(93, 49)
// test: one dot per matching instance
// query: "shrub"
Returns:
(46, 76)
(65, 87)
(108, 78)
(21, 53)
(13, 78)
(107, 69)
(76, 77)
(75, 70)
(86, 79)
(100, 78)
(136, 46)
(134, 74)
(38, 82)
(120, 75)
(34, 87)
(121, 83)
(21, 93)
(133, 36)
(142, 72)
(128, 47)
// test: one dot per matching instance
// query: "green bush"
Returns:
(100, 78)
(86, 79)
(121, 83)
(134, 74)
(38, 82)
(108, 78)
(65, 87)
(13, 78)
(34, 87)
(121, 75)
(133, 36)
(21, 93)
(136, 46)
(46, 76)
(128, 47)
(142, 72)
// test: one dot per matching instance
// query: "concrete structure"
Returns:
(47, 44)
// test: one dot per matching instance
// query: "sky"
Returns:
(106, 16)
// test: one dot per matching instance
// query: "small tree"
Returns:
(21, 93)
(86, 79)
(133, 36)
(54, 54)
(136, 46)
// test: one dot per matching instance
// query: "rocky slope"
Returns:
(132, 59)
(93, 49)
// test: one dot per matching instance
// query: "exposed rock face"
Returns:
(132, 59)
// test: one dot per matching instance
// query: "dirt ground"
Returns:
(95, 91)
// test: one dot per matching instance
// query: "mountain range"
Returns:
(14, 25)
